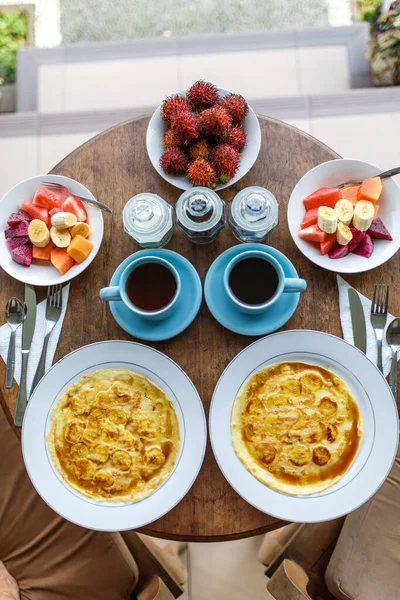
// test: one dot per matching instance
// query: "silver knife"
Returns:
(28, 329)
(358, 321)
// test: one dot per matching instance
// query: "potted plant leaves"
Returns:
(384, 51)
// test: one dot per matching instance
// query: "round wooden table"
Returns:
(115, 166)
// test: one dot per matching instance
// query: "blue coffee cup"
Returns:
(286, 285)
(118, 293)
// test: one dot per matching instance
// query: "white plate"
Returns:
(110, 516)
(329, 174)
(155, 146)
(378, 413)
(46, 274)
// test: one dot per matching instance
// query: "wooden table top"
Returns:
(115, 166)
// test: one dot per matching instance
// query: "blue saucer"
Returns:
(186, 308)
(228, 315)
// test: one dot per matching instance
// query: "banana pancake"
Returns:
(114, 436)
(296, 427)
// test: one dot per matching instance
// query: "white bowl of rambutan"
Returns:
(203, 136)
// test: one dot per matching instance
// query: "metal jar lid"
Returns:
(148, 219)
(254, 209)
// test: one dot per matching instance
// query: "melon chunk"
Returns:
(80, 248)
(370, 189)
(43, 253)
(61, 260)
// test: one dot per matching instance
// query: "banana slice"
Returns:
(38, 233)
(343, 234)
(327, 219)
(364, 212)
(63, 220)
(82, 229)
(60, 237)
(344, 211)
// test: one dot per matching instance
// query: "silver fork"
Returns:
(53, 312)
(379, 308)
(383, 176)
(57, 187)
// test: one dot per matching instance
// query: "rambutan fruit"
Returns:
(172, 105)
(236, 106)
(235, 137)
(200, 172)
(225, 161)
(202, 94)
(174, 161)
(215, 121)
(171, 139)
(200, 149)
(185, 125)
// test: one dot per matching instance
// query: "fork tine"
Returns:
(381, 298)
(48, 295)
(373, 303)
(59, 296)
(387, 300)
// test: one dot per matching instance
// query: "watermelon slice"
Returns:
(358, 236)
(378, 230)
(48, 198)
(19, 230)
(339, 251)
(53, 211)
(328, 243)
(13, 243)
(312, 234)
(365, 248)
(17, 217)
(310, 218)
(23, 254)
(35, 211)
(322, 197)
(75, 206)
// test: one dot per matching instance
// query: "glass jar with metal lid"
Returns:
(148, 219)
(253, 214)
(200, 214)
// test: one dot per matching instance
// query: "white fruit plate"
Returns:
(332, 173)
(249, 154)
(46, 274)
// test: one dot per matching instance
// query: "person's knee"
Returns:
(8, 586)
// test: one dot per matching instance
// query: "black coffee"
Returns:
(253, 280)
(151, 286)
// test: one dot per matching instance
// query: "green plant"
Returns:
(13, 32)
(369, 10)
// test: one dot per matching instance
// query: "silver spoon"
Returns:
(15, 315)
(393, 340)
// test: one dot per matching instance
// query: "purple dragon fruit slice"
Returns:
(13, 243)
(23, 254)
(378, 230)
(339, 251)
(17, 217)
(19, 230)
(365, 247)
(358, 236)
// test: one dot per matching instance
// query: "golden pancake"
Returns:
(296, 427)
(114, 436)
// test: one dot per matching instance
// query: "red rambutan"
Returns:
(235, 137)
(202, 94)
(237, 107)
(214, 121)
(225, 161)
(200, 172)
(171, 139)
(174, 161)
(200, 149)
(172, 105)
(185, 125)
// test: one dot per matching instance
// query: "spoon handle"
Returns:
(393, 374)
(10, 360)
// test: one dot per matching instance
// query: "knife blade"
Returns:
(358, 321)
(28, 329)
